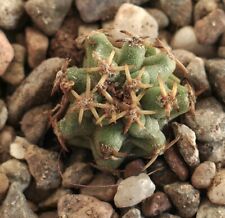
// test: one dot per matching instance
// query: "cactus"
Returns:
(120, 100)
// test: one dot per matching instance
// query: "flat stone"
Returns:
(34, 90)
(11, 12)
(48, 16)
(209, 28)
(94, 10)
(216, 192)
(206, 129)
(203, 175)
(134, 20)
(133, 190)
(179, 11)
(184, 197)
(6, 53)
(3, 114)
(72, 206)
(15, 72)
(37, 46)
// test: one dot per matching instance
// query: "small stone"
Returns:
(94, 10)
(203, 175)
(184, 56)
(72, 206)
(159, 16)
(6, 52)
(209, 210)
(104, 193)
(17, 172)
(216, 73)
(206, 129)
(15, 204)
(184, 197)
(4, 185)
(221, 51)
(63, 44)
(52, 200)
(209, 28)
(34, 123)
(132, 213)
(179, 11)
(187, 144)
(48, 17)
(185, 38)
(134, 20)
(176, 164)
(134, 168)
(168, 215)
(50, 214)
(34, 90)
(15, 72)
(77, 174)
(156, 204)
(44, 166)
(197, 75)
(133, 190)
(11, 12)
(216, 192)
(37, 46)
(203, 8)
(3, 114)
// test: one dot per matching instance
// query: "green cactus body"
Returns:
(121, 99)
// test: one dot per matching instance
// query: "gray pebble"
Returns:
(203, 175)
(3, 114)
(184, 56)
(48, 16)
(216, 73)
(159, 16)
(184, 197)
(10, 13)
(206, 129)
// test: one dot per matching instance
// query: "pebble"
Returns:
(49, 214)
(37, 46)
(209, 28)
(136, 21)
(184, 56)
(35, 123)
(3, 114)
(44, 166)
(216, 192)
(63, 44)
(179, 11)
(132, 213)
(133, 168)
(176, 164)
(52, 200)
(133, 190)
(93, 10)
(197, 75)
(15, 72)
(216, 73)
(203, 175)
(187, 144)
(104, 193)
(34, 90)
(17, 172)
(11, 12)
(15, 204)
(83, 206)
(168, 215)
(185, 38)
(159, 16)
(6, 53)
(221, 52)
(203, 8)
(184, 197)
(206, 129)
(156, 204)
(77, 174)
(209, 210)
(4, 185)
(48, 17)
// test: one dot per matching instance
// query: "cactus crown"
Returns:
(120, 99)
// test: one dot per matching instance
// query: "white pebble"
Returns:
(133, 190)
(3, 114)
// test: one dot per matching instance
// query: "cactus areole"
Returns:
(119, 100)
